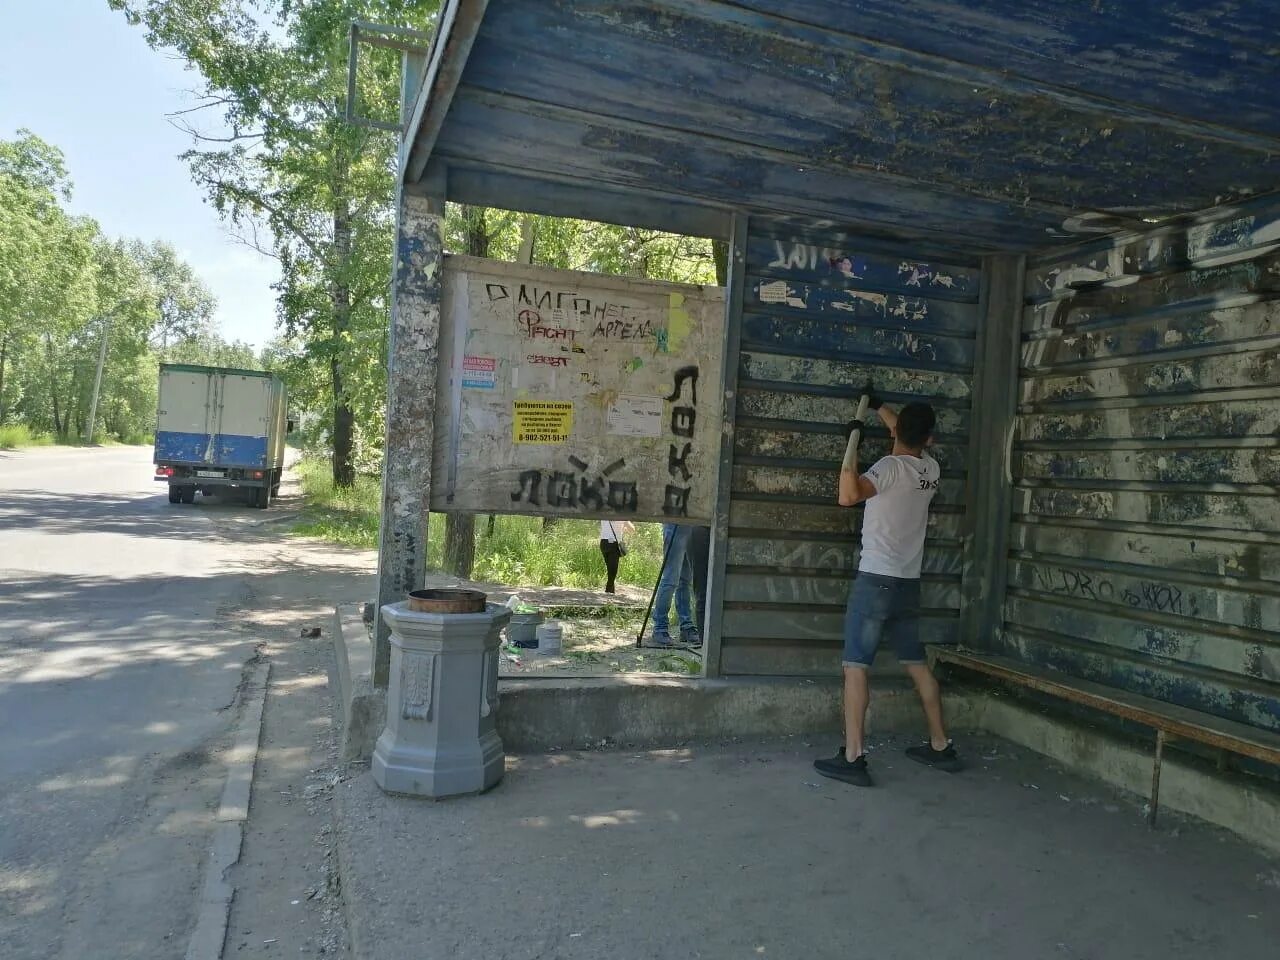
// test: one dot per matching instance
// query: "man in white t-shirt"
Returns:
(884, 603)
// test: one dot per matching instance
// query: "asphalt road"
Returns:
(118, 668)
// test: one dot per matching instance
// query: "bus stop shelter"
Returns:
(1053, 221)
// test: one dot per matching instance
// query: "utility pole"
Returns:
(97, 380)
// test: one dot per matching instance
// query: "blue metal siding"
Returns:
(173, 446)
(236, 451)
(224, 450)
(1145, 549)
(821, 317)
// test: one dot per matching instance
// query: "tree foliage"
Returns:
(66, 292)
(278, 160)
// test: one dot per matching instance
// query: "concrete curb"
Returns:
(224, 849)
(362, 708)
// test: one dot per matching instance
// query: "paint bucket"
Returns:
(550, 636)
(522, 630)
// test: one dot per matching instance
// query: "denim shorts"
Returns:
(882, 608)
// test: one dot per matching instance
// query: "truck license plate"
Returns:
(210, 473)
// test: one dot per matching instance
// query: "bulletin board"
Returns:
(576, 394)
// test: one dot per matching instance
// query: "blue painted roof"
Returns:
(962, 125)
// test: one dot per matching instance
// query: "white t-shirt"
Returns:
(894, 521)
(606, 531)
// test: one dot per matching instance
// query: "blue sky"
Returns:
(76, 74)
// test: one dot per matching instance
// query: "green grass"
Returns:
(520, 552)
(349, 516)
(15, 435)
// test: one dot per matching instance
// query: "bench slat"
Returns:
(1175, 721)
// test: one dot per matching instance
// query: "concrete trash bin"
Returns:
(441, 738)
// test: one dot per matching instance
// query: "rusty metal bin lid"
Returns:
(447, 601)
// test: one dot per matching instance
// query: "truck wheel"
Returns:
(188, 494)
(175, 494)
(262, 497)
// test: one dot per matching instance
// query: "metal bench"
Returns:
(1169, 721)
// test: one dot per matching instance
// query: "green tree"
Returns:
(302, 185)
(46, 282)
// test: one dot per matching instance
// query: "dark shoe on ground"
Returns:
(945, 759)
(690, 637)
(609, 588)
(661, 640)
(839, 768)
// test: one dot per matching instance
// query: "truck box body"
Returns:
(219, 427)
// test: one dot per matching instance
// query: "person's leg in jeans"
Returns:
(699, 555)
(609, 550)
(870, 604)
(684, 597)
(675, 541)
(903, 632)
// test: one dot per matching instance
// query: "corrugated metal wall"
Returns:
(1145, 545)
(821, 316)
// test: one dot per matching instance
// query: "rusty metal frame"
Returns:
(412, 46)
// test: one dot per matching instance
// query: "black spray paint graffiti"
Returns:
(575, 489)
(1143, 595)
(546, 313)
(675, 501)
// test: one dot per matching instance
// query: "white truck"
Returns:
(219, 429)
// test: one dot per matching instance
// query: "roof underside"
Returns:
(969, 126)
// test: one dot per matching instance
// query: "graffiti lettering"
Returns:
(1142, 595)
(801, 256)
(682, 421)
(561, 361)
(566, 489)
(1075, 583)
(551, 333)
(679, 460)
(675, 500)
(682, 375)
(496, 291)
(530, 484)
(631, 329)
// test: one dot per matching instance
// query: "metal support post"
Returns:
(1154, 808)
(734, 292)
(988, 497)
(412, 362)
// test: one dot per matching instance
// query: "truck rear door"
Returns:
(183, 421)
(244, 414)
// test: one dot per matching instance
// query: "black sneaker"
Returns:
(944, 759)
(838, 768)
(690, 637)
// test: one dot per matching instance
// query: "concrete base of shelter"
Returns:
(634, 710)
(540, 714)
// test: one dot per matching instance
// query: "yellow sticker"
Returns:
(543, 421)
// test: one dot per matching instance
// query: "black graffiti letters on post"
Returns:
(530, 483)
(678, 460)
